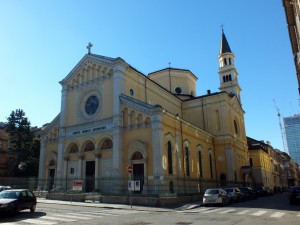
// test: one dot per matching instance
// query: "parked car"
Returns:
(294, 196)
(248, 193)
(14, 200)
(216, 196)
(235, 194)
(261, 191)
(3, 188)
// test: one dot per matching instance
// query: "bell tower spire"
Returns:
(227, 72)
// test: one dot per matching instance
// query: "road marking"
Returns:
(227, 211)
(8, 223)
(243, 212)
(298, 214)
(98, 214)
(213, 210)
(277, 214)
(37, 221)
(259, 213)
(57, 218)
(85, 216)
(74, 217)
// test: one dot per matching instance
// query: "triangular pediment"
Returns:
(90, 67)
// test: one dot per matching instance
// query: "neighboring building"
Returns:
(260, 163)
(292, 133)
(4, 156)
(271, 167)
(113, 116)
(292, 12)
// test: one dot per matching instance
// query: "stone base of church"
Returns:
(150, 201)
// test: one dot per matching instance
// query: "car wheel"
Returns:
(32, 209)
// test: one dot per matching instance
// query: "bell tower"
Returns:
(227, 72)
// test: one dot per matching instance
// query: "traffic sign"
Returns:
(130, 168)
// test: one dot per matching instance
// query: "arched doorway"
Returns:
(138, 169)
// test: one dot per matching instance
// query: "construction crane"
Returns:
(281, 128)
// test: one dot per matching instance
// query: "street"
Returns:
(264, 210)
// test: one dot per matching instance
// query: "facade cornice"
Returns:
(140, 106)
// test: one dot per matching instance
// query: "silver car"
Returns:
(215, 196)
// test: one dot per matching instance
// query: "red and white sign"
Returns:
(77, 185)
(130, 169)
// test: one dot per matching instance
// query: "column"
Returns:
(229, 161)
(97, 159)
(65, 173)
(41, 165)
(157, 148)
(118, 89)
(59, 166)
(80, 162)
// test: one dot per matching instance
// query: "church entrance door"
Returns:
(138, 174)
(89, 176)
(51, 179)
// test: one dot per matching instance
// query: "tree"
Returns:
(21, 145)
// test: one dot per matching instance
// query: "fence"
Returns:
(154, 186)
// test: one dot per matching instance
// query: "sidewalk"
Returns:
(120, 206)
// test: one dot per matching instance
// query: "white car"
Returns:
(216, 196)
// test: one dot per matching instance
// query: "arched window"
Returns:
(107, 144)
(211, 166)
(200, 163)
(218, 123)
(137, 156)
(170, 162)
(187, 161)
(89, 147)
(229, 77)
(235, 127)
(73, 148)
(224, 79)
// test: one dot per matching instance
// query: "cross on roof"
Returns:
(222, 26)
(90, 45)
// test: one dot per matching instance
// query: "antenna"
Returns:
(281, 128)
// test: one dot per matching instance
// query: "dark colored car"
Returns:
(15, 200)
(294, 196)
(248, 193)
(261, 191)
(235, 194)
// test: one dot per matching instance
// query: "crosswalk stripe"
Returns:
(37, 221)
(86, 215)
(227, 211)
(243, 212)
(210, 211)
(57, 218)
(277, 214)
(259, 213)
(71, 216)
(298, 214)
(98, 214)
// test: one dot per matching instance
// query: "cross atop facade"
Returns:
(222, 26)
(90, 45)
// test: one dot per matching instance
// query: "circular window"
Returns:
(131, 92)
(91, 105)
(178, 90)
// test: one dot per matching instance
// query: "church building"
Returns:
(114, 118)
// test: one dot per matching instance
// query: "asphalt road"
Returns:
(270, 210)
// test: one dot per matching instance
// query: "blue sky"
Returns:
(41, 41)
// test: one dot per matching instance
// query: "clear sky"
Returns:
(41, 42)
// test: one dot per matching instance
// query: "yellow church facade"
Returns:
(113, 116)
